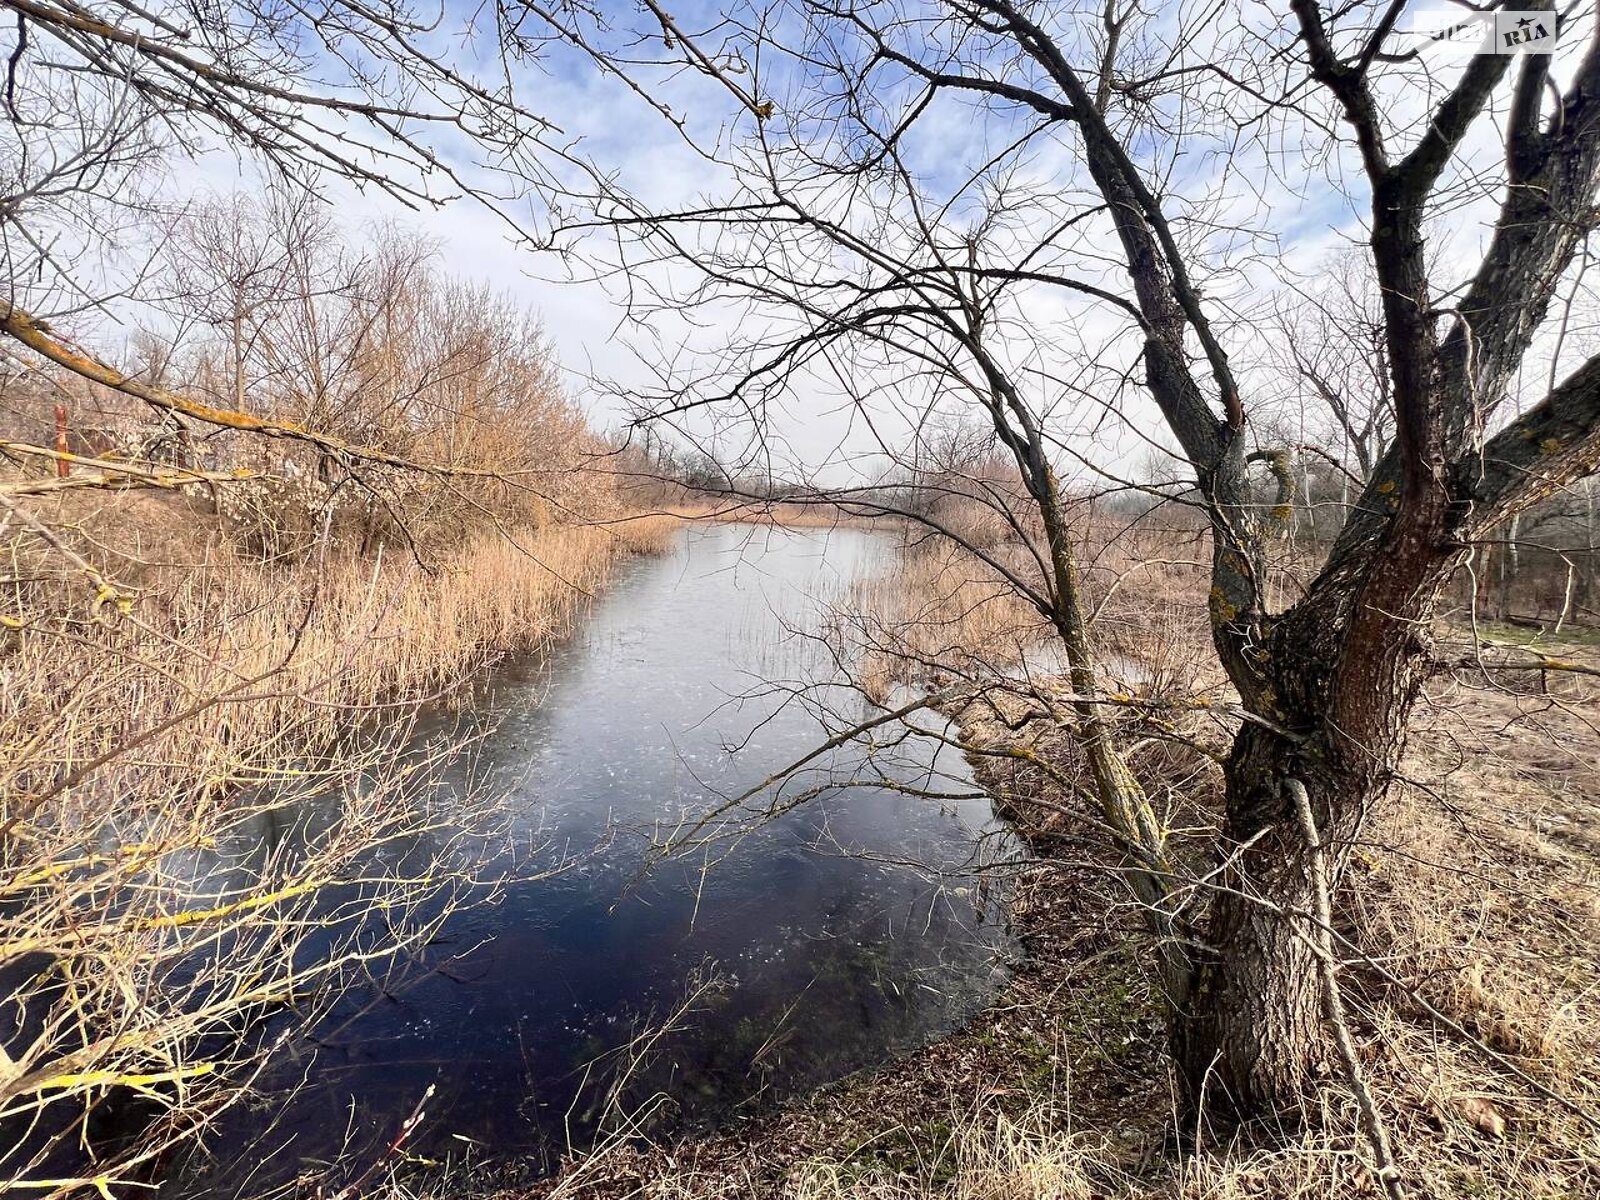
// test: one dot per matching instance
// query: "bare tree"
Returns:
(1330, 340)
(369, 94)
(991, 206)
(995, 207)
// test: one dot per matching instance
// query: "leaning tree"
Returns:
(1057, 217)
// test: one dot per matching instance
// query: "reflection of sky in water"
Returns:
(833, 960)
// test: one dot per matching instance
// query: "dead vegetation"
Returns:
(333, 634)
(148, 754)
(935, 614)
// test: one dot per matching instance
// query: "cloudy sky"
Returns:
(1272, 198)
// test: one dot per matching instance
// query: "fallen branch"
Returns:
(1534, 662)
(38, 337)
(113, 474)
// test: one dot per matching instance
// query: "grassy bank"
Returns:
(692, 504)
(279, 657)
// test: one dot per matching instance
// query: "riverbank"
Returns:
(286, 653)
(691, 505)
(1060, 1088)
(591, 992)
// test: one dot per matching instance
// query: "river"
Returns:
(827, 940)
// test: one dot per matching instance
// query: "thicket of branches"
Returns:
(215, 813)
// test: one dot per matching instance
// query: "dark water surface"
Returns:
(831, 949)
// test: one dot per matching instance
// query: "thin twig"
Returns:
(1333, 1002)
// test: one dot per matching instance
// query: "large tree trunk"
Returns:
(1251, 1038)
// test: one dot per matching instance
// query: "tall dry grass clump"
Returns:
(281, 654)
(931, 615)
(936, 613)
(989, 1156)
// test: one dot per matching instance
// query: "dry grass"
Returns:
(994, 1157)
(690, 505)
(937, 614)
(209, 788)
(933, 615)
(322, 639)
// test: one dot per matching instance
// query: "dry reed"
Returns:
(152, 903)
(324, 640)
